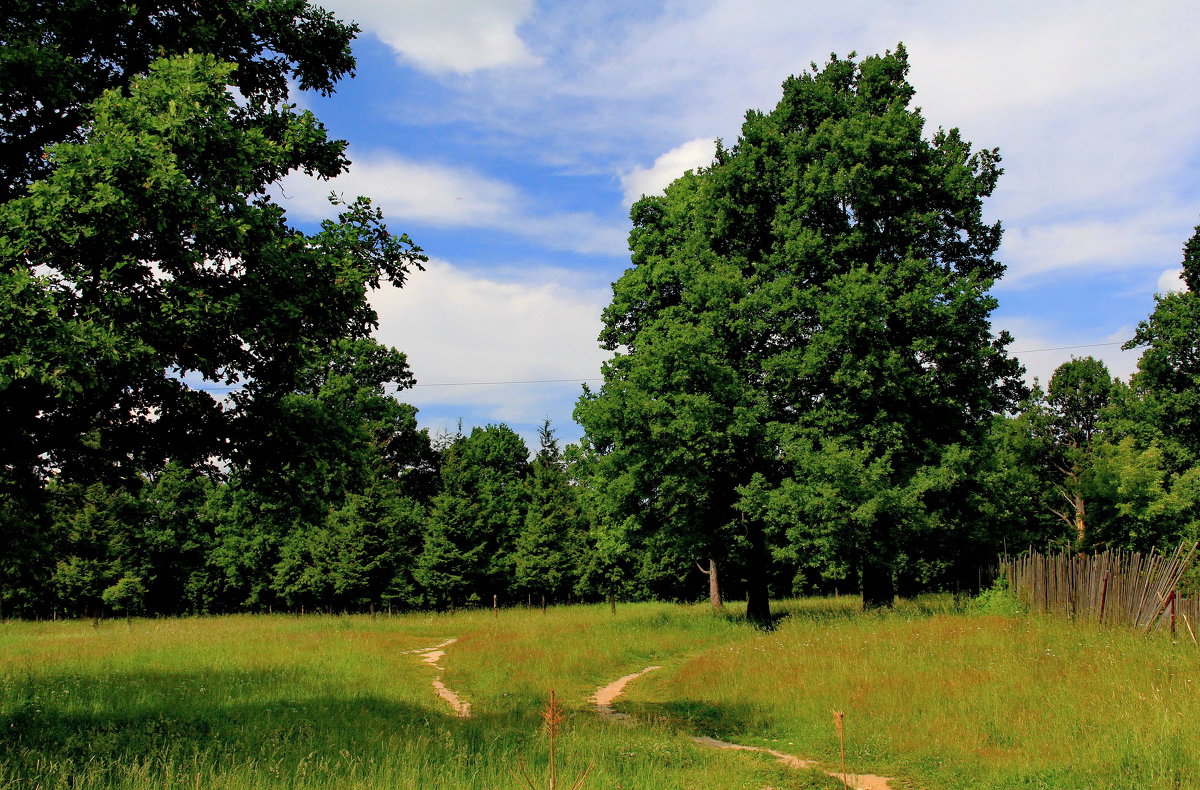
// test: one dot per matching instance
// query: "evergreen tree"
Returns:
(547, 549)
(467, 556)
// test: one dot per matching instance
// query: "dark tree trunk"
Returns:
(878, 577)
(758, 601)
(878, 587)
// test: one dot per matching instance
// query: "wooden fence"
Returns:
(1116, 587)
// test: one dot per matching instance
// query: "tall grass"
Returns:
(945, 700)
(325, 702)
(951, 700)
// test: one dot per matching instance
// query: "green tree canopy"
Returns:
(151, 252)
(140, 246)
(1169, 369)
(59, 56)
(548, 547)
(473, 523)
(807, 318)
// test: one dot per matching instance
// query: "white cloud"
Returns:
(458, 36)
(1088, 103)
(420, 191)
(1041, 348)
(654, 179)
(1144, 239)
(445, 196)
(458, 326)
(1171, 281)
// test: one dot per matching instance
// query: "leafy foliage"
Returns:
(805, 328)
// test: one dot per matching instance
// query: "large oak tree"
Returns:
(803, 354)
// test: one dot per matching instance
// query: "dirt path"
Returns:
(431, 656)
(605, 695)
(855, 781)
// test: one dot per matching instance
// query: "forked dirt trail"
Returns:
(431, 656)
(606, 695)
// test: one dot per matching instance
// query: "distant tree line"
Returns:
(806, 393)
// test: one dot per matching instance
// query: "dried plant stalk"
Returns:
(838, 717)
(552, 718)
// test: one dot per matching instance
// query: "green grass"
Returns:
(324, 702)
(943, 700)
(948, 700)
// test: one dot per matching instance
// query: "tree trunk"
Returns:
(714, 584)
(878, 587)
(758, 599)
(878, 578)
(1080, 526)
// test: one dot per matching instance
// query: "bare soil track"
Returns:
(431, 656)
(606, 695)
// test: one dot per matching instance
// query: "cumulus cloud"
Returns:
(1144, 238)
(666, 168)
(1082, 99)
(445, 36)
(460, 326)
(447, 196)
(1171, 281)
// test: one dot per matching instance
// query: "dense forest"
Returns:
(806, 391)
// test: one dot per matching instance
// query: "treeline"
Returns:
(805, 393)
(399, 522)
(433, 528)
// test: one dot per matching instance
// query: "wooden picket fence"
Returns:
(1114, 587)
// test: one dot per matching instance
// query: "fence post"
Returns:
(1103, 596)
(1173, 597)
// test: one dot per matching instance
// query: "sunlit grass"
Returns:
(952, 700)
(324, 702)
(941, 699)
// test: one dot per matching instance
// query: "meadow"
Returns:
(938, 697)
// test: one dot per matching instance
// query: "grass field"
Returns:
(939, 699)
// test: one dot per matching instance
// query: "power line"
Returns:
(1064, 348)
(489, 383)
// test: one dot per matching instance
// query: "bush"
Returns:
(997, 599)
(127, 596)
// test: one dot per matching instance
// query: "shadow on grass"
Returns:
(695, 717)
(55, 728)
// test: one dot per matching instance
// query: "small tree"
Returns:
(548, 544)
(127, 596)
(1080, 391)
(468, 550)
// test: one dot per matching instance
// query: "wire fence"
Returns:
(1115, 587)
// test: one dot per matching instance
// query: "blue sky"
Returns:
(508, 138)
